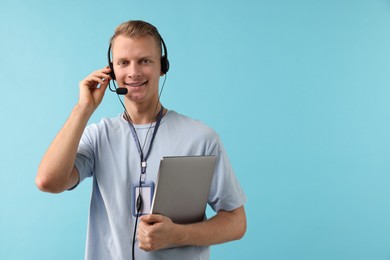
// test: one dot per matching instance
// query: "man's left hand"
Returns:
(157, 232)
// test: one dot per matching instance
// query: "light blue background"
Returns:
(298, 91)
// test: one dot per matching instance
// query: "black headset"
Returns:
(164, 60)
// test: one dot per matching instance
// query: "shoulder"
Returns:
(192, 133)
(189, 125)
(105, 124)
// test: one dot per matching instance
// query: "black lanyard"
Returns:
(144, 158)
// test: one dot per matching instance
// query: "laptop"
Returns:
(183, 187)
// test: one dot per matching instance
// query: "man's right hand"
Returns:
(93, 87)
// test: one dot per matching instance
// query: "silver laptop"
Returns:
(183, 187)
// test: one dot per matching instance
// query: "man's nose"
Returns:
(134, 70)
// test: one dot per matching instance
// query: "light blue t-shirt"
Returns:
(107, 152)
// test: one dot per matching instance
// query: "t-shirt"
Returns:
(108, 153)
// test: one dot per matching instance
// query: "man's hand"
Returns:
(157, 232)
(91, 94)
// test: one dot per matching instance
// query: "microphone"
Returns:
(121, 91)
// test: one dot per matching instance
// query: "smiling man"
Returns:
(117, 152)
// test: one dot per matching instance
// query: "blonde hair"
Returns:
(136, 29)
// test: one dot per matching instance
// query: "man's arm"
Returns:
(56, 172)
(158, 232)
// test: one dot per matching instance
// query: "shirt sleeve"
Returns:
(226, 192)
(85, 158)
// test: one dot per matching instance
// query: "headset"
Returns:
(164, 66)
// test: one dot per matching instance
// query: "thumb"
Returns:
(98, 93)
(152, 218)
(104, 85)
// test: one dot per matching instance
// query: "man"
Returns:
(112, 152)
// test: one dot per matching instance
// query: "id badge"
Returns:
(142, 197)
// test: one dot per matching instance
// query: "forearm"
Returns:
(55, 171)
(223, 227)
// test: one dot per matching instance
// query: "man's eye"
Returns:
(146, 61)
(122, 62)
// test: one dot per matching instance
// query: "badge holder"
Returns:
(142, 197)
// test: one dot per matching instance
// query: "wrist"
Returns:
(83, 110)
(81, 114)
(182, 235)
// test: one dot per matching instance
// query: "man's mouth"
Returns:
(136, 84)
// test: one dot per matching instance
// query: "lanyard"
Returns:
(144, 158)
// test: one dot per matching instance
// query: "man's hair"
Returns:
(137, 29)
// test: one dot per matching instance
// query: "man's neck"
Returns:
(141, 114)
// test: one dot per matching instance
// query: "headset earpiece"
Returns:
(112, 74)
(164, 58)
(164, 65)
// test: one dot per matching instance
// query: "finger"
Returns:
(102, 76)
(106, 70)
(104, 85)
(143, 239)
(99, 78)
(145, 243)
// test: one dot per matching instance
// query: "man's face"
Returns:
(137, 67)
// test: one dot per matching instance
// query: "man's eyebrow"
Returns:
(148, 57)
(142, 57)
(120, 59)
